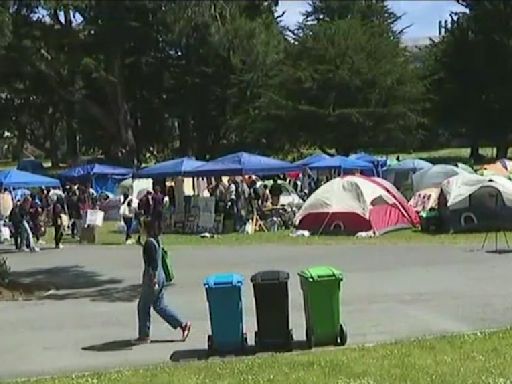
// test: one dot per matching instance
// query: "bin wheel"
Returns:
(210, 345)
(245, 344)
(309, 340)
(343, 336)
(290, 340)
(256, 340)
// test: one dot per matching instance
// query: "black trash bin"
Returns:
(272, 310)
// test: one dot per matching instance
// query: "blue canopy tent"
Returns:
(344, 164)
(243, 164)
(14, 179)
(170, 168)
(378, 163)
(103, 178)
(315, 158)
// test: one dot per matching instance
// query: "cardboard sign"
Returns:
(94, 217)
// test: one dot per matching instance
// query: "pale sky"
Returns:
(423, 15)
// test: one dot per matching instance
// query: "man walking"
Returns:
(152, 292)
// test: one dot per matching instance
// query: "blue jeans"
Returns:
(156, 299)
(26, 236)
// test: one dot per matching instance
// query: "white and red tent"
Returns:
(355, 203)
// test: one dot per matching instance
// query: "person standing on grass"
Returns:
(276, 190)
(27, 240)
(57, 212)
(128, 213)
(143, 212)
(157, 210)
(152, 292)
(15, 220)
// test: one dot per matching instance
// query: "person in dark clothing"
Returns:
(57, 212)
(35, 213)
(27, 240)
(73, 211)
(157, 210)
(152, 292)
(143, 212)
(276, 190)
(15, 220)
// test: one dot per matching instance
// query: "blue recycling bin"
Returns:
(224, 296)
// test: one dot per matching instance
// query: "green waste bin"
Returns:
(321, 289)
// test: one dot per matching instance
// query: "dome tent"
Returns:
(477, 203)
(355, 203)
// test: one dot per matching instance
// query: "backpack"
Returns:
(166, 262)
(167, 266)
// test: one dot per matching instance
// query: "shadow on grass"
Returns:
(187, 355)
(121, 345)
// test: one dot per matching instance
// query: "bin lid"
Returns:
(270, 277)
(224, 280)
(321, 273)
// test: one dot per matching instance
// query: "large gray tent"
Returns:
(476, 203)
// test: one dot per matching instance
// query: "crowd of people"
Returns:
(32, 214)
(150, 207)
(66, 208)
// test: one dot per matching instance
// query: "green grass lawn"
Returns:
(107, 235)
(447, 155)
(479, 358)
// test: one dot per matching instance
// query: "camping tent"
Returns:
(400, 174)
(495, 169)
(378, 163)
(243, 164)
(104, 178)
(170, 168)
(353, 204)
(14, 179)
(315, 158)
(408, 165)
(434, 176)
(345, 165)
(476, 203)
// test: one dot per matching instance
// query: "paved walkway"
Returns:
(390, 292)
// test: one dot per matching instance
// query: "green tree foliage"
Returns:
(5, 24)
(472, 75)
(349, 83)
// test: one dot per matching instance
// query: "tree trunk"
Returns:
(185, 128)
(54, 146)
(474, 153)
(72, 149)
(501, 151)
(20, 142)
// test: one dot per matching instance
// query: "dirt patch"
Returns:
(15, 291)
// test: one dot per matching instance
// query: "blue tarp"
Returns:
(13, 178)
(344, 164)
(378, 163)
(312, 159)
(242, 164)
(104, 178)
(170, 168)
